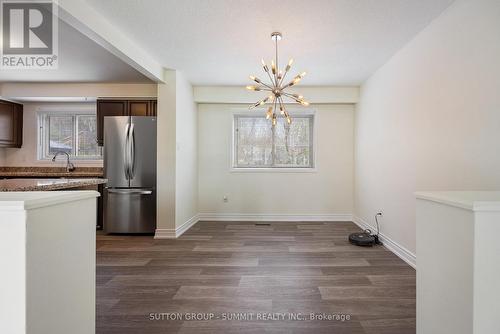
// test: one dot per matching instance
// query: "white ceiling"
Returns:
(80, 60)
(221, 42)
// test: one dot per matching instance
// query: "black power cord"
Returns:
(377, 240)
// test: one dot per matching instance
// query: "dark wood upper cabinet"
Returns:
(139, 108)
(108, 108)
(117, 107)
(11, 124)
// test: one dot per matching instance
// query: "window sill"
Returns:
(271, 170)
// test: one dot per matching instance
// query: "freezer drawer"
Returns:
(128, 210)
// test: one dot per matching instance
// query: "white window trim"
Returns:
(57, 111)
(256, 111)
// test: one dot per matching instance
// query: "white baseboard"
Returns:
(403, 253)
(187, 225)
(274, 217)
(162, 233)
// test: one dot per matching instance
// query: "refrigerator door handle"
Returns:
(132, 152)
(126, 152)
(130, 191)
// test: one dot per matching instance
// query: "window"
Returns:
(257, 145)
(72, 132)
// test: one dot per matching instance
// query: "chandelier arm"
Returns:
(291, 83)
(283, 78)
(266, 85)
(280, 99)
(274, 79)
(255, 105)
(289, 95)
(274, 111)
(271, 78)
(265, 89)
(300, 101)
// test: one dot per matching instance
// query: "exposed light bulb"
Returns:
(297, 79)
(273, 67)
(257, 80)
(261, 102)
(269, 112)
(264, 66)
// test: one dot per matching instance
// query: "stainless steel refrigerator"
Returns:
(130, 167)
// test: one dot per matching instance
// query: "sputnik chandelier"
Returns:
(277, 87)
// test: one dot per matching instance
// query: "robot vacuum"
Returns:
(366, 238)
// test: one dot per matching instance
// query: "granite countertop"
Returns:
(47, 184)
(21, 201)
(50, 172)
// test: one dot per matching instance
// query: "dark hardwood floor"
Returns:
(223, 268)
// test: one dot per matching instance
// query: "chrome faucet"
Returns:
(69, 166)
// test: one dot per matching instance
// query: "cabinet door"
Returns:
(153, 108)
(11, 124)
(108, 108)
(139, 108)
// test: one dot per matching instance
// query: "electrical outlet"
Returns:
(225, 199)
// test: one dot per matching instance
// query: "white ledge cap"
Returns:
(21, 201)
(470, 200)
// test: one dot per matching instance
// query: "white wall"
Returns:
(27, 155)
(429, 119)
(328, 191)
(177, 166)
(186, 159)
(165, 152)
